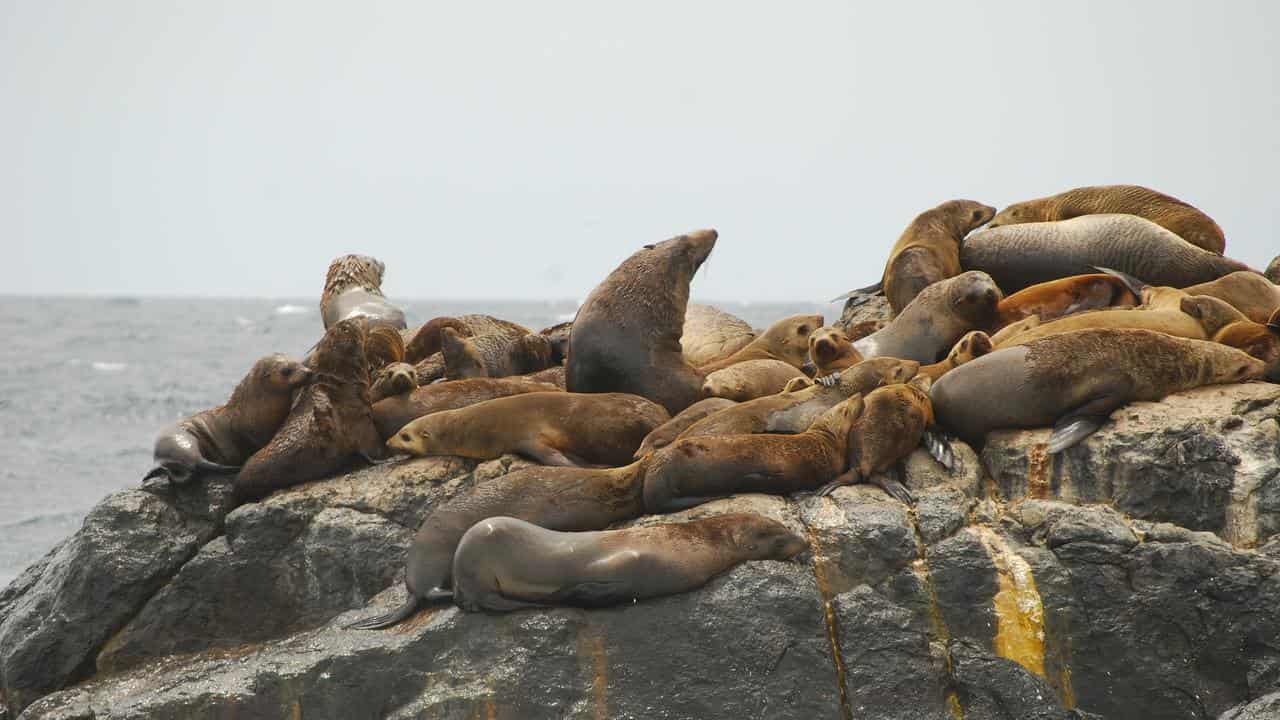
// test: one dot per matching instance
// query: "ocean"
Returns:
(86, 383)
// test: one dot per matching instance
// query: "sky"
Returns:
(522, 150)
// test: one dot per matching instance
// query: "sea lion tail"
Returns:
(939, 446)
(877, 289)
(214, 467)
(378, 622)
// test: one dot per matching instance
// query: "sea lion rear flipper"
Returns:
(378, 622)
(849, 477)
(894, 487)
(939, 446)
(868, 291)
(548, 455)
(1134, 285)
(157, 471)
(1072, 429)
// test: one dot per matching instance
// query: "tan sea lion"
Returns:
(1258, 340)
(395, 411)
(1022, 255)
(394, 379)
(553, 375)
(711, 334)
(1058, 298)
(493, 355)
(506, 564)
(1168, 212)
(786, 340)
(749, 380)
(893, 421)
(554, 498)
(1249, 292)
(830, 351)
(664, 434)
(220, 439)
(927, 329)
(973, 345)
(1273, 270)
(626, 336)
(1073, 381)
(329, 424)
(1171, 322)
(424, 342)
(353, 288)
(695, 470)
(553, 428)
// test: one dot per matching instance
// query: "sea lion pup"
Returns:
(830, 351)
(667, 432)
(695, 470)
(394, 379)
(425, 341)
(749, 380)
(1019, 256)
(329, 424)
(626, 335)
(553, 428)
(892, 423)
(1058, 298)
(1260, 341)
(505, 564)
(936, 320)
(493, 355)
(802, 402)
(1075, 380)
(973, 345)
(1170, 213)
(382, 347)
(395, 411)
(353, 288)
(220, 439)
(554, 498)
(711, 334)
(1250, 293)
(786, 340)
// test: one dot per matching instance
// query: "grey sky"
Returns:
(521, 150)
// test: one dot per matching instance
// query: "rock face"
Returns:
(1102, 584)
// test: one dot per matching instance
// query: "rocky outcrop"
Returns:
(994, 597)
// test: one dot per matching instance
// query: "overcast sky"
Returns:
(522, 150)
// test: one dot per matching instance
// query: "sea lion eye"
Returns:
(406, 437)
(804, 329)
(287, 372)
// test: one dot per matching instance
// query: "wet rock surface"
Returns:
(1123, 589)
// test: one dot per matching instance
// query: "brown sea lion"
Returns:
(554, 498)
(382, 347)
(973, 345)
(626, 336)
(1258, 340)
(329, 424)
(353, 288)
(695, 470)
(220, 439)
(493, 355)
(1249, 292)
(1073, 381)
(424, 342)
(1019, 256)
(553, 428)
(553, 375)
(711, 334)
(394, 379)
(1273, 270)
(1168, 212)
(786, 340)
(394, 412)
(831, 351)
(1058, 298)
(749, 380)
(558, 336)
(859, 330)
(936, 320)
(506, 564)
(1171, 322)
(664, 434)
(892, 423)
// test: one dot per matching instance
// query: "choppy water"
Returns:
(85, 384)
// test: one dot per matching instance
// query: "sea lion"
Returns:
(695, 470)
(1168, 212)
(329, 424)
(506, 564)
(1171, 322)
(554, 498)
(800, 404)
(395, 379)
(664, 434)
(553, 375)
(749, 380)
(1258, 340)
(553, 428)
(395, 411)
(892, 423)
(1058, 298)
(1250, 293)
(382, 347)
(830, 351)
(786, 340)
(558, 336)
(1019, 256)
(494, 355)
(220, 439)
(927, 329)
(1273, 270)
(710, 334)
(973, 345)
(353, 288)
(859, 330)
(626, 335)
(423, 343)
(1074, 380)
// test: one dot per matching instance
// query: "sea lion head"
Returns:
(1273, 270)
(975, 296)
(559, 337)
(1023, 212)
(462, 359)
(789, 337)
(340, 353)
(684, 253)
(1213, 314)
(354, 271)
(425, 436)
(278, 373)
(1219, 364)
(827, 344)
(394, 379)
(967, 215)
(757, 537)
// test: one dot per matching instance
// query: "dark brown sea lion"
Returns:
(786, 340)
(892, 423)
(973, 345)
(936, 320)
(382, 347)
(394, 379)
(1168, 212)
(711, 334)
(626, 336)
(554, 498)
(394, 412)
(695, 470)
(329, 425)
(1019, 256)
(553, 428)
(221, 439)
(506, 564)
(424, 342)
(749, 380)
(353, 288)
(1073, 381)
(1250, 293)
(558, 336)
(666, 433)
(493, 355)
(831, 351)
(1058, 298)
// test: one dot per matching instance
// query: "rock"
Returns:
(1266, 707)
(863, 308)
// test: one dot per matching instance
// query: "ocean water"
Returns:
(85, 385)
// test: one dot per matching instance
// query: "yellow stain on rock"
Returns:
(1039, 464)
(591, 646)
(1019, 612)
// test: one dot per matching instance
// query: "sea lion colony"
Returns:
(1061, 311)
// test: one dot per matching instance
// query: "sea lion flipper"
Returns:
(548, 455)
(157, 471)
(1134, 285)
(1072, 429)
(868, 291)
(894, 487)
(849, 477)
(377, 622)
(939, 446)
(214, 467)
(596, 593)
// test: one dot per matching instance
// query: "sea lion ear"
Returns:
(650, 246)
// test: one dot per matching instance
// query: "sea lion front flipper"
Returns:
(547, 455)
(157, 471)
(894, 487)
(1070, 430)
(867, 292)
(377, 622)
(848, 477)
(214, 467)
(939, 446)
